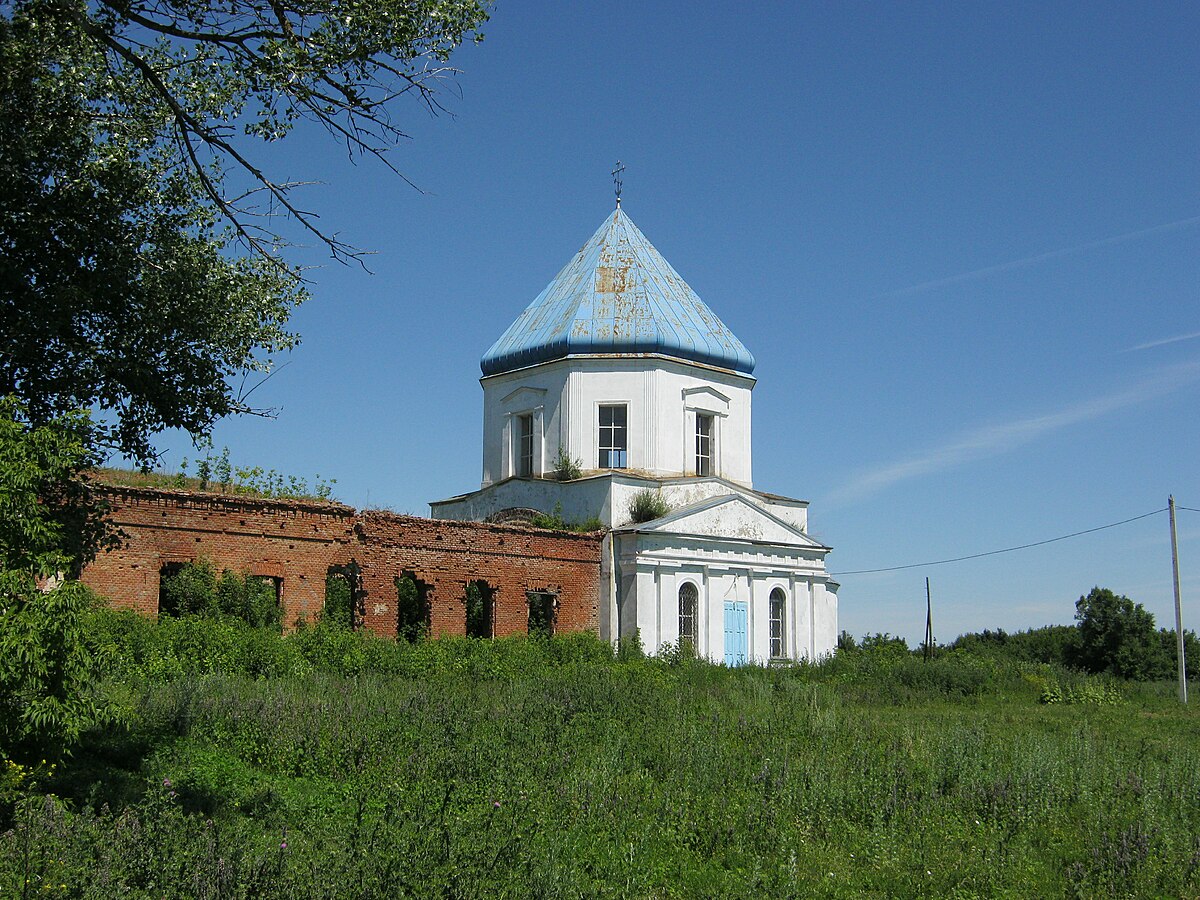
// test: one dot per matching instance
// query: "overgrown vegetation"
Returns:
(216, 474)
(553, 521)
(647, 505)
(51, 525)
(329, 763)
(197, 589)
(1112, 635)
(566, 468)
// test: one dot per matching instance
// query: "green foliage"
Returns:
(885, 644)
(1092, 692)
(1168, 664)
(120, 289)
(50, 525)
(140, 274)
(338, 610)
(542, 612)
(1116, 636)
(566, 468)
(269, 483)
(345, 763)
(197, 589)
(1058, 644)
(412, 609)
(630, 647)
(553, 521)
(647, 505)
(216, 474)
(50, 520)
(46, 668)
(479, 602)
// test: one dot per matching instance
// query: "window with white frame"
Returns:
(614, 437)
(525, 444)
(704, 444)
(778, 599)
(688, 601)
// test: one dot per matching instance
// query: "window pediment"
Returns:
(524, 397)
(706, 399)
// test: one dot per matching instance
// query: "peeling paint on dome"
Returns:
(618, 295)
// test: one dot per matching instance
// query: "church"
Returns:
(619, 396)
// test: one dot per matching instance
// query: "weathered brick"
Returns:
(299, 541)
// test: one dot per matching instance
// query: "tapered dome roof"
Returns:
(618, 295)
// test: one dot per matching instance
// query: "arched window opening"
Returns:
(778, 649)
(688, 601)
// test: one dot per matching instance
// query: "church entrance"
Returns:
(735, 632)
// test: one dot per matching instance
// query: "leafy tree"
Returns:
(140, 266)
(1050, 644)
(1116, 636)
(50, 524)
(884, 644)
(141, 269)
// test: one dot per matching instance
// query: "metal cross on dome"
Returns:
(616, 174)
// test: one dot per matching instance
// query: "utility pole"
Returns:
(928, 621)
(1178, 607)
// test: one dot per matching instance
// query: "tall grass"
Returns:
(330, 765)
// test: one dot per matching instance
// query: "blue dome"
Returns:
(618, 295)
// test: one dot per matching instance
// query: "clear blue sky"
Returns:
(962, 241)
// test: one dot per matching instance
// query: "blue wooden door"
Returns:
(735, 633)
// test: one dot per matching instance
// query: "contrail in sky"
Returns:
(1170, 340)
(1041, 257)
(993, 440)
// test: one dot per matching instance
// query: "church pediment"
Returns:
(732, 517)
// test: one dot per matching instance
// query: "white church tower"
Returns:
(619, 369)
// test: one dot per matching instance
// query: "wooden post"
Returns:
(1178, 607)
(928, 621)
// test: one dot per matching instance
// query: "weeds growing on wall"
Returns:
(553, 521)
(214, 472)
(647, 505)
(566, 468)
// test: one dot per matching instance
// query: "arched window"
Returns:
(688, 597)
(778, 650)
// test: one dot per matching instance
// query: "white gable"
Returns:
(731, 517)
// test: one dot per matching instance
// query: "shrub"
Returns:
(565, 468)
(647, 505)
(197, 590)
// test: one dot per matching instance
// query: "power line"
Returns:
(1188, 508)
(942, 562)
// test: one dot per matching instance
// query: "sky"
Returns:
(961, 240)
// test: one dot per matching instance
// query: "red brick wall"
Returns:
(299, 541)
(446, 555)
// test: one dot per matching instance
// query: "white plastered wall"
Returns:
(655, 567)
(662, 396)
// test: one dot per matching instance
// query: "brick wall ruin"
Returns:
(299, 542)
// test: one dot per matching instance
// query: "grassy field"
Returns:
(330, 765)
